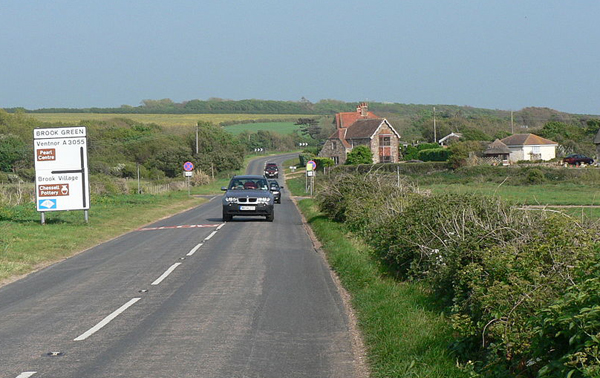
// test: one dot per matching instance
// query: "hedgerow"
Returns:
(521, 287)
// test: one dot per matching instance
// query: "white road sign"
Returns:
(61, 172)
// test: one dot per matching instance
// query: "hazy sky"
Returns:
(499, 54)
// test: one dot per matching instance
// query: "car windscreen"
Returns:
(248, 184)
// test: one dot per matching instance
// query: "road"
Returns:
(188, 296)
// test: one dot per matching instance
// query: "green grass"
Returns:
(405, 334)
(276, 127)
(566, 194)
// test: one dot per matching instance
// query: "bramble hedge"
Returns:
(521, 287)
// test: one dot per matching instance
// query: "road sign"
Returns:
(188, 166)
(311, 165)
(61, 172)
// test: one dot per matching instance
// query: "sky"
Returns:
(496, 54)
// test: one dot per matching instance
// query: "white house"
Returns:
(530, 147)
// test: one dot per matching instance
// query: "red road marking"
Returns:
(180, 226)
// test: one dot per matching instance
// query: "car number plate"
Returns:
(247, 207)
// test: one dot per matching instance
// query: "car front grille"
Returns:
(247, 200)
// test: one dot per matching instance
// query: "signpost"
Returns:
(311, 166)
(61, 172)
(188, 167)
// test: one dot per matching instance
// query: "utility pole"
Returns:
(434, 128)
(512, 124)
(197, 127)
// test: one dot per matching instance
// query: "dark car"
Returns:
(248, 195)
(275, 188)
(271, 170)
(577, 159)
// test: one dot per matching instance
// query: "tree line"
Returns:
(120, 146)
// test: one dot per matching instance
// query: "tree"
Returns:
(12, 151)
(360, 155)
(217, 149)
(310, 127)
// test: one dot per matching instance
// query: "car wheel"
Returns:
(227, 218)
(270, 217)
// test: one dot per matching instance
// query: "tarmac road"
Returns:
(188, 296)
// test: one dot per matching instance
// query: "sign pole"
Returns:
(43, 218)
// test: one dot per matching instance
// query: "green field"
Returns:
(276, 127)
(166, 120)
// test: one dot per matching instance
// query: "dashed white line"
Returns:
(106, 320)
(210, 236)
(165, 274)
(26, 374)
(220, 226)
(190, 253)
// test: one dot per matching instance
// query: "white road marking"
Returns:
(220, 226)
(210, 236)
(26, 374)
(106, 320)
(194, 249)
(166, 274)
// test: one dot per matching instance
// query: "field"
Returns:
(277, 127)
(166, 120)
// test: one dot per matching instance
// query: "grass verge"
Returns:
(405, 334)
(26, 245)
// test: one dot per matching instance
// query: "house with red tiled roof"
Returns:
(529, 147)
(362, 128)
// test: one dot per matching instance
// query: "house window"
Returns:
(336, 160)
(334, 144)
(385, 159)
(385, 141)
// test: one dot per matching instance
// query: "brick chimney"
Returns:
(363, 108)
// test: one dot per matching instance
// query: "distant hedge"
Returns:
(434, 154)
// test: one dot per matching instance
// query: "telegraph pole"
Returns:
(512, 124)
(197, 127)
(434, 128)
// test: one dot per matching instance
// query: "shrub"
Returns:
(360, 155)
(434, 154)
(323, 163)
(522, 287)
(535, 177)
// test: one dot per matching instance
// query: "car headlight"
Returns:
(263, 199)
(231, 199)
(275, 192)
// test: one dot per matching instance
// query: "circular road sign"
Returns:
(311, 166)
(188, 166)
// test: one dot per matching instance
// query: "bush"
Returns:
(434, 154)
(360, 155)
(535, 177)
(522, 286)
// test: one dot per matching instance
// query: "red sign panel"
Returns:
(46, 154)
(54, 190)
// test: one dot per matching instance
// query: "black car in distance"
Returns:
(275, 188)
(248, 195)
(271, 170)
